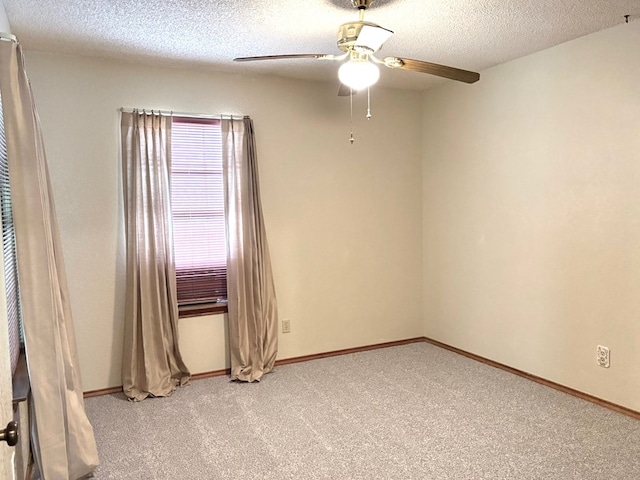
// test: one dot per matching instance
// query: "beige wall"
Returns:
(4, 21)
(527, 231)
(344, 222)
(532, 214)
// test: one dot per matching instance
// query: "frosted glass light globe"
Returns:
(358, 74)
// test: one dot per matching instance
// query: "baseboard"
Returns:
(214, 373)
(542, 381)
(284, 361)
(305, 358)
(346, 351)
(102, 391)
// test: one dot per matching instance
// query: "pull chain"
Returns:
(368, 103)
(351, 139)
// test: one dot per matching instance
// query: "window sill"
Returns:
(185, 311)
(21, 384)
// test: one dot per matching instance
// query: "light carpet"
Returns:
(410, 412)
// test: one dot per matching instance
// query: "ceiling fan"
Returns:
(359, 41)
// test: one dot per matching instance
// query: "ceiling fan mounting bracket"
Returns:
(361, 4)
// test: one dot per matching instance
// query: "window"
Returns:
(9, 253)
(197, 203)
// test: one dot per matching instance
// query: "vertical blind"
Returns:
(197, 203)
(9, 252)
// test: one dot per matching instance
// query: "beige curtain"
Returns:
(152, 364)
(253, 316)
(62, 437)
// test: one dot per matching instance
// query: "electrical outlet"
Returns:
(602, 356)
(286, 326)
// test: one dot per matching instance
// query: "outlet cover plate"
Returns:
(286, 326)
(602, 356)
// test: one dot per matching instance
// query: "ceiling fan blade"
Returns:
(320, 56)
(373, 37)
(432, 69)
(344, 91)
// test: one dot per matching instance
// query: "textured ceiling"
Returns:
(469, 34)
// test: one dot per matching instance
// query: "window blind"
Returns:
(197, 203)
(9, 252)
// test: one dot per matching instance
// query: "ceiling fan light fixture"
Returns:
(358, 73)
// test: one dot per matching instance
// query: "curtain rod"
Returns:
(8, 37)
(181, 114)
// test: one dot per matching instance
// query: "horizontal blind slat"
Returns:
(12, 290)
(197, 202)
